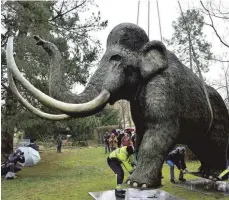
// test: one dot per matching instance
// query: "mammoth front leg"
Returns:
(157, 141)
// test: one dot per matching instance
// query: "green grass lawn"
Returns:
(74, 173)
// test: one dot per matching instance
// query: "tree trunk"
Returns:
(7, 132)
(7, 143)
(129, 115)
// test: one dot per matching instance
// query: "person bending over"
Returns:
(176, 157)
(121, 156)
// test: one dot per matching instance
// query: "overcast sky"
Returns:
(120, 11)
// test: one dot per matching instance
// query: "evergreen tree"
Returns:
(61, 22)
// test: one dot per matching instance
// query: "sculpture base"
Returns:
(218, 189)
(134, 194)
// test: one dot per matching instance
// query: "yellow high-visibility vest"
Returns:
(122, 155)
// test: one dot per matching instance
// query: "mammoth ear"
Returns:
(154, 58)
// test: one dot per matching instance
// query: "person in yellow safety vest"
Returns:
(121, 156)
(226, 171)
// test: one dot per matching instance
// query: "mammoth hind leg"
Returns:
(211, 150)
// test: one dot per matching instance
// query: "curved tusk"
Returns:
(29, 106)
(89, 107)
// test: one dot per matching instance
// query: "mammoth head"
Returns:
(132, 58)
(130, 37)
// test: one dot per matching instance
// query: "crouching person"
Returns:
(11, 164)
(176, 157)
(121, 156)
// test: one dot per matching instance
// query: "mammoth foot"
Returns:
(136, 184)
(143, 181)
(205, 172)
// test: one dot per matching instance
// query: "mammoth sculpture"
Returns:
(167, 100)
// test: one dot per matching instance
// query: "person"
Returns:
(176, 157)
(120, 136)
(121, 156)
(11, 164)
(113, 142)
(59, 144)
(126, 141)
(115, 132)
(106, 137)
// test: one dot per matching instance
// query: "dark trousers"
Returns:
(115, 165)
(13, 168)
(107, 148)
(59, 148)
(171, 164)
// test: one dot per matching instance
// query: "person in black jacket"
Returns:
(176, 157)
(106, 137)
(11, 164)
(59, 144)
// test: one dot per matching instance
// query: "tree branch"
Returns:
(221, 87)
(62, 14)
(212, 25)
(61, 7)
(214, 15)
(219, 11)
(215, 59)
(4, 86)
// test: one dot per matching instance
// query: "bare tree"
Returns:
(124, 108)
(217, 12)
(223, 83)
(122, 105)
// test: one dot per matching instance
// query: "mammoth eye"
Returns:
(116, 57)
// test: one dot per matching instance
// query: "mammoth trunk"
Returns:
(57, 86)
